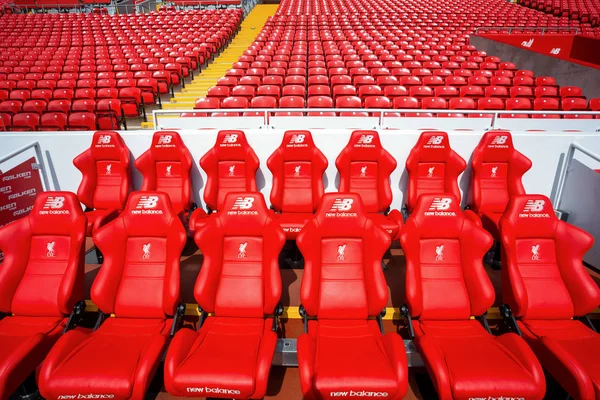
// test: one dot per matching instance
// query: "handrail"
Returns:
(527, 28)
(381, 113)
(562, 177)
(38, 154)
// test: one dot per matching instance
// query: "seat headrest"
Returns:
(231, 145)
(148, 214)
(341, 214)
(532, 215)
(297, 145)
(243, 213)
(107, 145)
(438, 215)
(496, 146)
(433, 146)
(166, 146)
(54, 213)
(364, 145)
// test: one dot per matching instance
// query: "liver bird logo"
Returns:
(50, 249)
(146, 249)
(242, 250)
(341, 252)
(535, 252)
(439, 252)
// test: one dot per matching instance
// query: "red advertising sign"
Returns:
(19, 187)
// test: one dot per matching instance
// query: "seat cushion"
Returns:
(349, 357)
(570, 351)
(118, 359)
(390, 225)
(292, 223)
(25, 341)
(461, 356)
(226, 358)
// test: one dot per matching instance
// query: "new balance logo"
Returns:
(54, 202)
(146, 205)
(297, 139)
(230, 138)
(439, 253)
(164, 139)
(147, 202)
(242, 250)
(535, 252)
(527, 43)
(103, 139)
(341, 205)
(499, 142)
(242, 206)
(50, 249)
(438, 208)
(365, 139)
(533, 209)
(341, 252)
(555, 50)
(146, 251)
(435, 140)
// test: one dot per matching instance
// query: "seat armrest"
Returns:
(397, 217)
(196, 219)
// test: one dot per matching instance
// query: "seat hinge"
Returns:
(302, 312)
(76, 316)
(509, 319)
(202, 317)
(379, 319)
(483, 320)
(277, 313)
(406, 314)
(178, 318)
(586, 320)
(101, 317)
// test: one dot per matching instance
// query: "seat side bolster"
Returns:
(306, 364)
(264, 360)
(147, 364)
(436, 366)
(519, 349)
(179, 350)
(396, 354)
(59, 353)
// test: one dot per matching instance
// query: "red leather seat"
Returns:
(297, 166)
(433, 167)
(446, 284)
(230, 166)
(548, 289)
(42, 278)
(138, 283)
(365, 168)
(342, 349)
(496, 172)
(105, 178)
(239, 283)
(166, 167)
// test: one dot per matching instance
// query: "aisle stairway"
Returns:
(250, 27)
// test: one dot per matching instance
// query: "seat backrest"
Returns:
(342, 251)
(105, 172)
(496, 172)
(543, 276)
(365, 168)
(433, 167)
(166, 167)
(240, 272)
(142, 247)
(230, 166)
(43, 267)
(297, 167)
(445, 277)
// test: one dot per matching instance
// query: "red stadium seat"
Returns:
(571, 92)
(53, 121)
(25, 121)
(364, 167)
(105, 179)
(41, 282)
(291, 102)
(496, 172)
(346, 310)
(82, 121)
(439, 238)
(297, 166)
(166, 167)
(550, 316)
(146, 234)
(517, 103)
(571, 104)
(240, 285)
(546, 103)
(433, 167)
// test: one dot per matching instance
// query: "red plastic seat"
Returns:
(240, 285)
(517, 103)
(571, 92)
(297, 166)
(446, 285)
(166, 167)
(320, 102)
(342, 286)
(546, 103)
(540, 248)
(433, 167)
(25, 121)
(365, 167)
(105, 179)
(138, 283)
(82, 121)
(53, 121)
(41, 282)
(496, 172)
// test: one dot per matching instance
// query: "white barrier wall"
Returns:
(545, 149)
